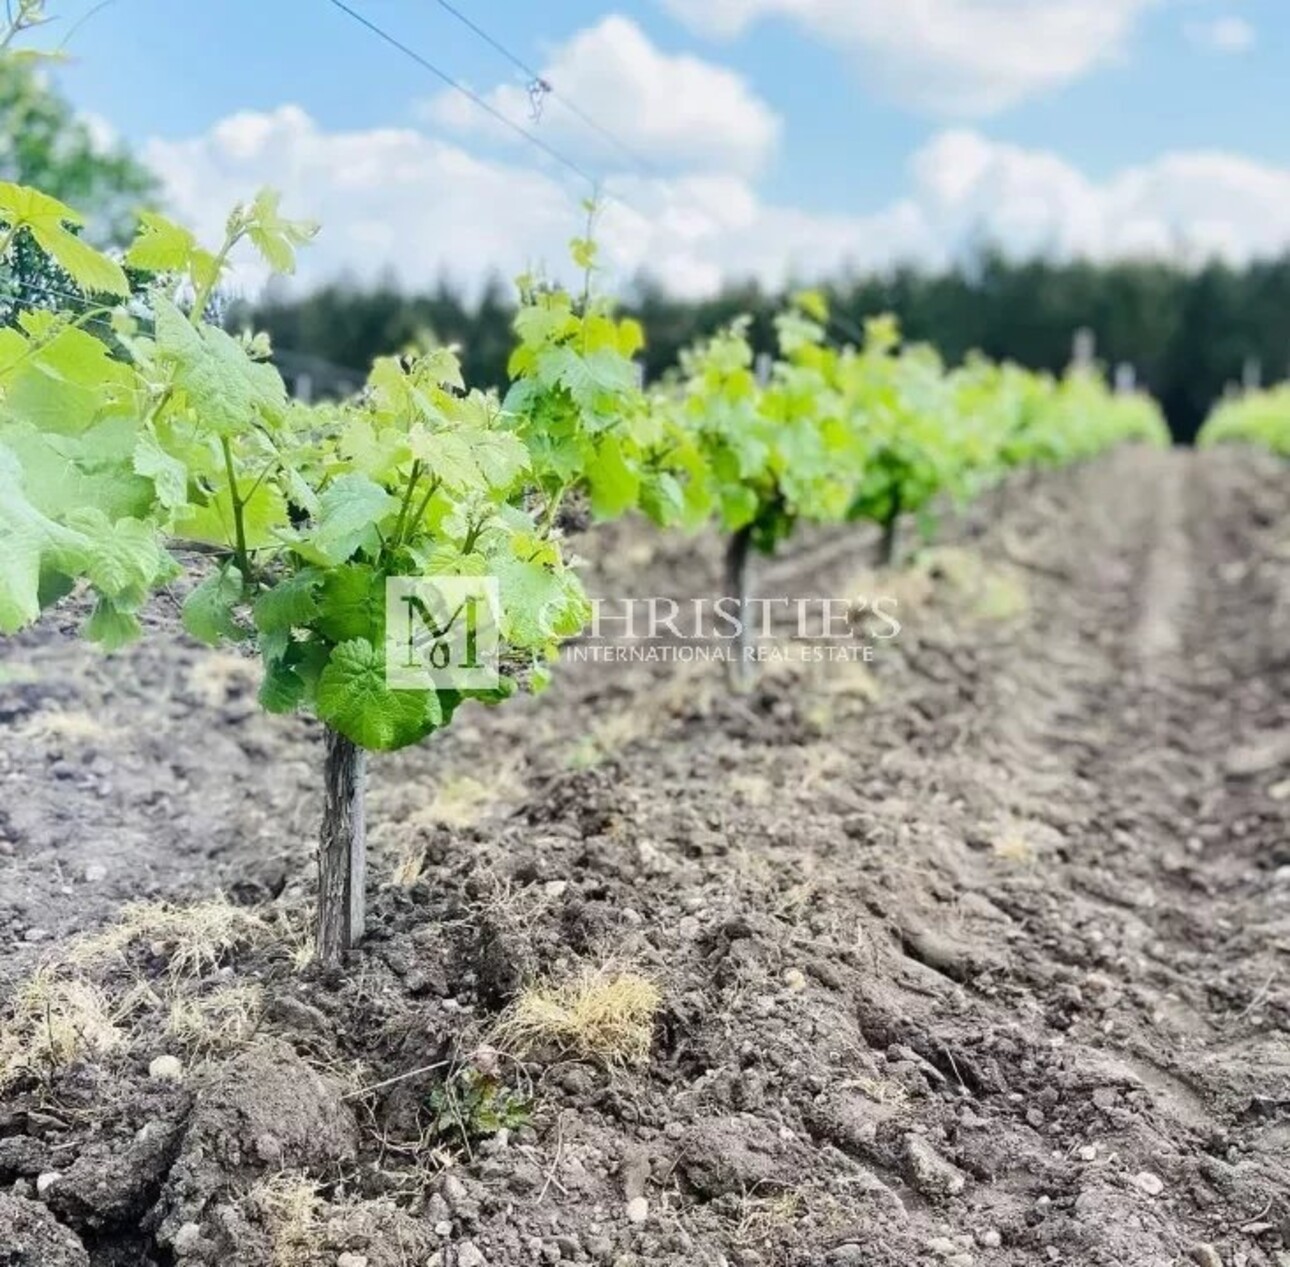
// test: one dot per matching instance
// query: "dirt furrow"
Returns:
(972, 955)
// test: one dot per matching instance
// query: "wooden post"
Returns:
(742, 672)
(342, 849)
(1252, 374)
(737, 551)
(1083, 349)
(889, 543)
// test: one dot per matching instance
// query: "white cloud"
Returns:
(402, 201)
(950, 57)
(1188, 205)
(1229, 34)
(670, 109)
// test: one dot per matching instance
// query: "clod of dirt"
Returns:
(110, 1186)
(851, 1121)
(499, 963)
(739, 1154)
(1118, 1226)
(1258, 757)
(264, 1110)
(30, 1236)
(929, 1172)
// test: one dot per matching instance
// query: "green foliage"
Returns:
(1260, 418)
(757, 455)
(867, 433)
(577, 403)
(173, 433)
(472, 1105)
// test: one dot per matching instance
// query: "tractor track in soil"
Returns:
(1014, 899)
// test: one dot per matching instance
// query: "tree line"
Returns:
(1190, 334)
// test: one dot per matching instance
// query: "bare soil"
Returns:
(975, 955)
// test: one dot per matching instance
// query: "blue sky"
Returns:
(846, 130)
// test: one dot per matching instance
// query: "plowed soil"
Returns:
(975, 954)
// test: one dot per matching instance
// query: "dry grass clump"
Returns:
(89, 1002)
(292, 1211)
(764, 1218)
(222, 1020)
(599, 1014)
(219, 676)
(306, 1229)
(56, 1021)
(1015, 843)
(69, 727)
(990, 592)
(194, 938)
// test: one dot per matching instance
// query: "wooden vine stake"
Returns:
(342, 849)
(741, 667)
(889, 543)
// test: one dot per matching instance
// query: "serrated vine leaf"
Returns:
(209, 611)
(111, 627)
(348, 515)
(290, 604)
(283, 690)
(161, 246)
(228, 391)
(615, 486)
(32, 544)
(46, 219)
(168, 474)
(352, 604)
(354, 699)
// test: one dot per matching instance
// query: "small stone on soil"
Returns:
(637, 1210)
(352, 1260)
(469, 1255)
(1151, 1184)
(1206, 1256)
(635, 1173)
(95, 872)
(849, 1256)
(186, 1238)
(166, 1069)
(929, 1172)
(46, 1181)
